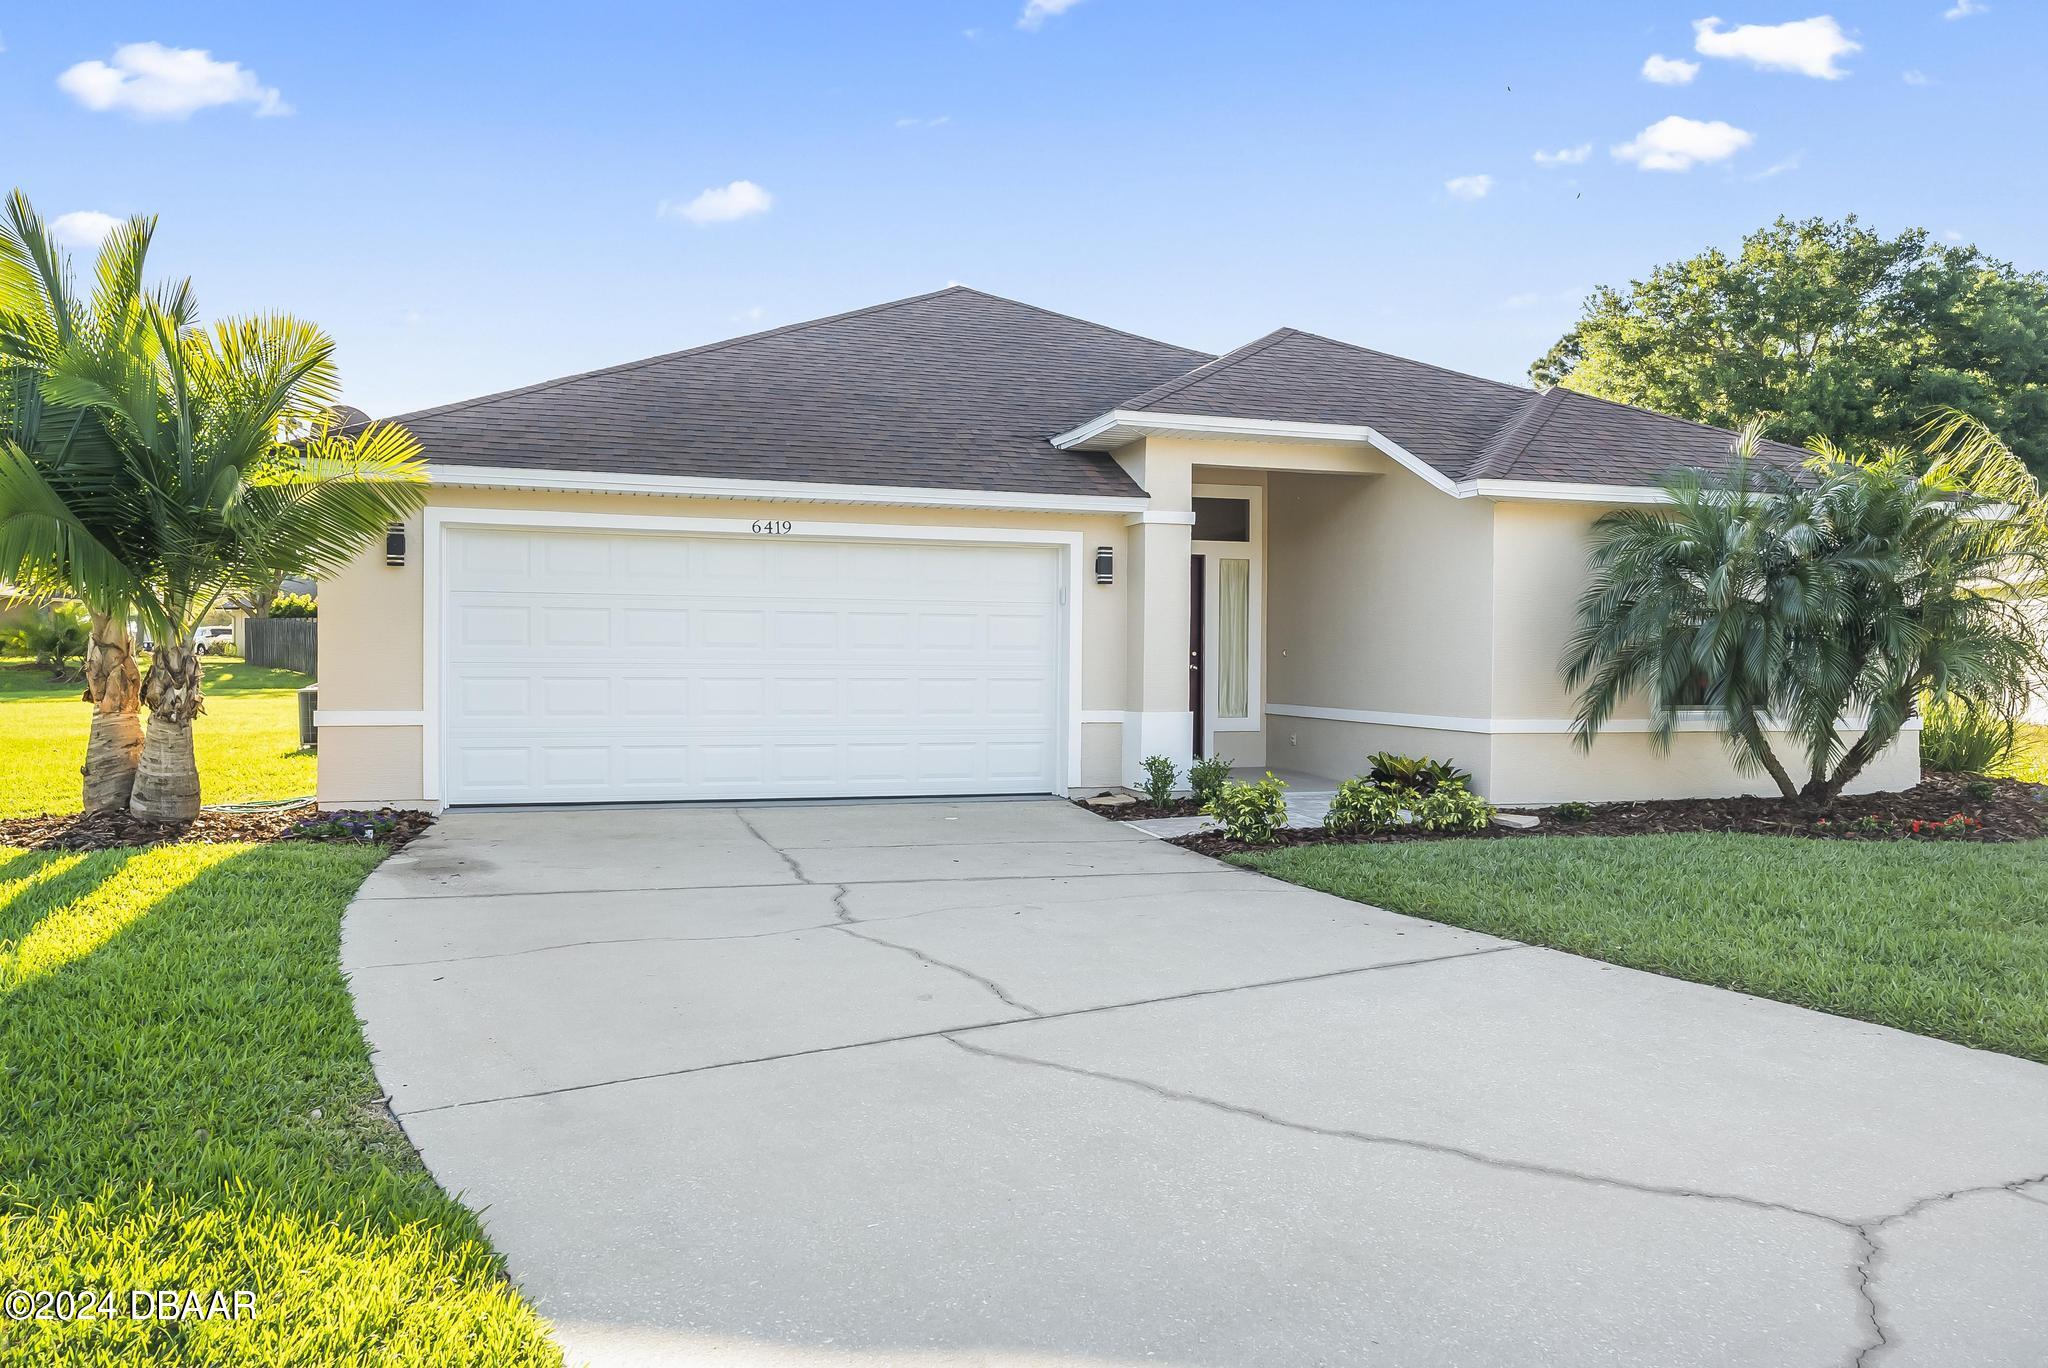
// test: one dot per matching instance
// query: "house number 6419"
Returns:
(772, 527)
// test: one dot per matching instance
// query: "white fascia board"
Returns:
(1562, 491)
(776, 491)
(1138, 423)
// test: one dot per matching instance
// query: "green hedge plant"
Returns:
(1160, 778)
(1364, 804)
(1250, 812)
(1207, 775)
(1451, 807)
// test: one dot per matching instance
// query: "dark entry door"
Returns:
(1196, 580)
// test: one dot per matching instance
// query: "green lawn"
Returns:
(248, 740)
(188, 1103)
(1944, 940)
(2030, 757)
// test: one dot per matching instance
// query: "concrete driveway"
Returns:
(1001, 1083)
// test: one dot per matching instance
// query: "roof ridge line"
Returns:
(1534, 418)
(1523, 390)
(1212, 366)
(698, 350)
(1070, 318)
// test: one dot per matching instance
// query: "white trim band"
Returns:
(1697, 720)
(776, 491)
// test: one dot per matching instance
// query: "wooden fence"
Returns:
(286, 643)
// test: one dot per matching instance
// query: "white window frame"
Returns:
(440, 520)
(1255, 637)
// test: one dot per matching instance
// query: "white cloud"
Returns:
(1039, 11)
(1963, 9)
(752, 314)
(1469, 187)
(1036, 12)
(1679, 144)
(151, 81)
(1916, 77)
(1669, 70)
(940, 122)
(1807, 46)
(83, 227)
(1952, 236)
(720, 204)
(1791, 163)
(1564, 156)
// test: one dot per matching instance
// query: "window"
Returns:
(1233, 637)
(1223, 520)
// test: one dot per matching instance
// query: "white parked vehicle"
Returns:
(213, 640)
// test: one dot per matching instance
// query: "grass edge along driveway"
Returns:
(1944, 940)
(188, 1103)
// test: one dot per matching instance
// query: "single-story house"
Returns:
(956, 544)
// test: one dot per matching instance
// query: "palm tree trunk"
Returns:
(1859, 754)
(167, 782)
(114, 688)
(1760, 746)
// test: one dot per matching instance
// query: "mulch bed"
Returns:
(2014, 812)
(303, 822)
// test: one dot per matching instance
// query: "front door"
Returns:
(1197, 615)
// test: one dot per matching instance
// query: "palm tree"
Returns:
(76, 470)
(1792, 602)
(225, 442)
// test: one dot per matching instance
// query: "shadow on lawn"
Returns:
(189, 1104)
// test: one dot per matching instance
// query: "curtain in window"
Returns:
(1233, 637)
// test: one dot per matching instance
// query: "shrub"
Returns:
(1573, 812)
(1451, 806)
(294, 606)
(56, 637)
(1205, 776)
(1960, 738)
(1160, 777)
(1983, 790)
(1414, 772)
(1250, 812)
(1363, 805)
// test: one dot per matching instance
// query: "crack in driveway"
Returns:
(783, 855)
(964, 972)
(1865, 1232)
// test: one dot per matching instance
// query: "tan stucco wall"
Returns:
(1381, 594)
(372, 626)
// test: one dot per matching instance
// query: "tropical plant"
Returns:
(54, 637)
(1798, 602)
(294, 606)
(225, 442)
(1414, 772)
(1160, 778)
(1365, 804)
(1207, 775)
(1958, 737)
(1250, 812)
(76, 470)
(1450, 806)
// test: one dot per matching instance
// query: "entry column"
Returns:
(1157, 719)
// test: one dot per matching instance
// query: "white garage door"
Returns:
(622, 667)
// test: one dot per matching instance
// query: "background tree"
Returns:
(1823, 329)
(1795, 605)
(223, 440)
(77, 470)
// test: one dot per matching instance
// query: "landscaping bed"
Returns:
(392, 827)
(1142, 811)
(2013, 811)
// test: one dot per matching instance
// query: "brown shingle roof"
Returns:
(960, 390)
(1463, 426)
(956, 390)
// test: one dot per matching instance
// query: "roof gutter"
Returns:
(775, 491)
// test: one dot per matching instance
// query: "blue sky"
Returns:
(476, 196)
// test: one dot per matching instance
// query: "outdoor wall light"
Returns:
(1105, 565)
(394, 544)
